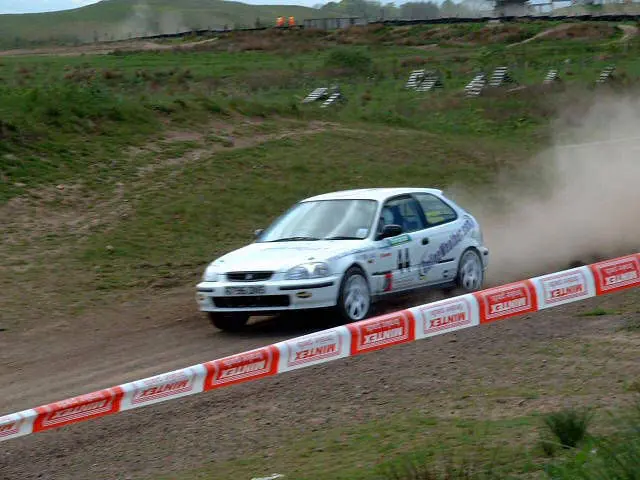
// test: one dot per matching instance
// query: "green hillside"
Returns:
(120, 19)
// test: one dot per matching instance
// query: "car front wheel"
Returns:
(354, 301)
(230, 322)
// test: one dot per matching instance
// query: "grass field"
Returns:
(128, 172)
(416, 446)
(116, 149)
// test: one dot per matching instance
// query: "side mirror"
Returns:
(391, 231)
(258, 232)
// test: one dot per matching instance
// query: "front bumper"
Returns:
(276, 296)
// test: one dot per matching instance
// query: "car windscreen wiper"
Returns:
(294, 239)
(342, 237)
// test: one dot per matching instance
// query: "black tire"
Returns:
(463, 285)
(347, 280)
(229, 322)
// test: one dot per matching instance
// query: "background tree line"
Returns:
(374, 10)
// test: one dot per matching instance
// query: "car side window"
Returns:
(403, 211)
(435, 210)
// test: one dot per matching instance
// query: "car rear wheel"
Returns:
(354, 300)
(229, 322)
(470, 275)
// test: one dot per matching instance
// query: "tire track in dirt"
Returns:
(629, 32)
(112, 346)
(103, 49)
(543, 34)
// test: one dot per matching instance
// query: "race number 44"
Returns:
(404, 262)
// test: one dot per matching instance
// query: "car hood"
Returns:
(281, 256)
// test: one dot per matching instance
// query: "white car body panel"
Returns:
(433, 263)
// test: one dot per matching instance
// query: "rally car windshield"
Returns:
(323, 220)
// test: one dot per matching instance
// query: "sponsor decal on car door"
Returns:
(404, 275)
(439, 258)
(428, 242)
(445, 240)
(394, 264)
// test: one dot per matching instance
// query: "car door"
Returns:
(397, 266)
(439, 243)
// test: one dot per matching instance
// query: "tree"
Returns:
(477, 7)
(356, 8)
(449, 9)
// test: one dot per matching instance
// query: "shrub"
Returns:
(613, 458)
(422, 469)
(357, 60)
(548, 447)
(415, 62)
(111, 75)
(267, 79)
(569, 426)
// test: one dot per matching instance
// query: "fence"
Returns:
(416, 323)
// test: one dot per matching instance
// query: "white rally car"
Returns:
(346, 250)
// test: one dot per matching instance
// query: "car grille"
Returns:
(249, 276)
(258, 301)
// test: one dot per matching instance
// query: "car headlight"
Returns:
(308, 270)
(210, 274)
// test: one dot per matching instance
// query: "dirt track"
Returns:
(158, 334)
(102, 48)
(628, 32)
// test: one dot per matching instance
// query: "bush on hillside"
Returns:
(356, 60)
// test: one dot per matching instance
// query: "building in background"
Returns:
(333, 23)
(511, 8)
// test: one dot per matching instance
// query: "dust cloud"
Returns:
(579, 201)
(144, 20)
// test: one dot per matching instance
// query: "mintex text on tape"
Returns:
(242, 367)
(176, 384)
(564, 287)
(506, 301)
(617, 274)
(315, 348)
(446, 316)
(382, 332)
(84, 407)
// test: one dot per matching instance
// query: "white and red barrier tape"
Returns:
(376, 333)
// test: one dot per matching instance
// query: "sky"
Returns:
(32, 6)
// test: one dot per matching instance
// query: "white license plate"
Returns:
(250, 290)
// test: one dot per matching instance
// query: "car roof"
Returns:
(379, 194)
